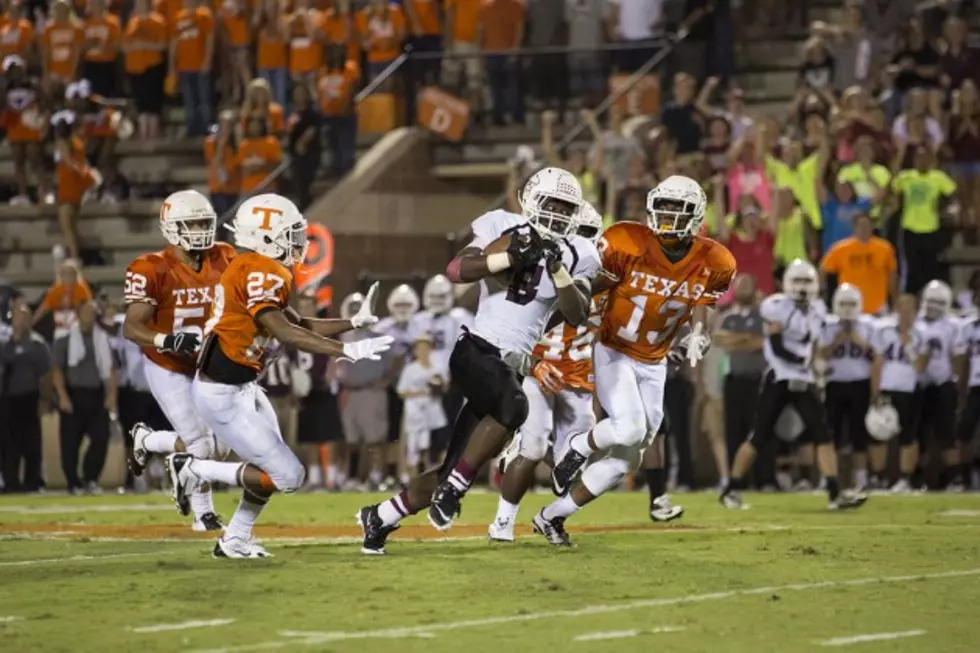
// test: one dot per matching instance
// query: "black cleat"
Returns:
(208, 522)
(136, 454)
(445, 506)
(565, 471)
(847, 501)
(552, 529)
(375, 532)
(180, 479)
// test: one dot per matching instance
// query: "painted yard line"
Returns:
(623, 634)
(80, 558)
(186, 625)
(960, 513)
(874, 637)
(315, 639)
(9, 618)
(70, 510)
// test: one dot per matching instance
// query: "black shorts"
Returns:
(147, 90)
(907, 405)
(970, 416)
(319, 419)
(102, 76)
(396, 407)
(937, 415)
(776, 396)
(847, 405)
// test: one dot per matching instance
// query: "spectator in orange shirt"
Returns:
(100, 124)
(425, 35)
(272, 58)
(306, 38)
(68, 293)
(221, 155)
(259, 104)
(503, 29)
(75, 176)
(61, 44)
(258, 156)
(304, 144)
(335, 92)
(191, 57)
(339, 28)
(17, 33)
(144, 45)
(24, 117)
(463, 39)
(381, 26)
(236, 36)
(100, 55)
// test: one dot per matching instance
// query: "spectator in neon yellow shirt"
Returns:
(869, 179)
(800, 175)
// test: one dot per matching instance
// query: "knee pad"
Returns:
(533, 446)
(603, 475)
(291, 477)
(202, 446)
(512, 410)
(629, 431)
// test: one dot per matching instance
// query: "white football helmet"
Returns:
(403, 303)
(937, 300)
(676, 207)
(271, 225)
(846, 302)
(882, 422)
(188, 221)
(351, 305)
(800, 281)
(551, 200)
(437, 296)
(589, 223)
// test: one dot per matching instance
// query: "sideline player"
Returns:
(251, 308)
(544, 266)
(168, 300)
(662, 275)
(559, 397)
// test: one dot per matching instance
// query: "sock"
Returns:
(202, 502)
(395, 509)
(332, 480)
(656, 482)
(212, 471)
(160, 441)
(561, 507)
(861, 477)
(314, 475)
(603, 435)
(733, 485)
(506, 511)
(462, 476)
(833, 488)
(244, 519)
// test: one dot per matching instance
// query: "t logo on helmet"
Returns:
(164, 210)
(266, 214)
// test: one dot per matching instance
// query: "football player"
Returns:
(559, 396)
(250, 308)
(403, 305)
(936, 385)
(969, 378)
(901, 354)
(168, 298)
(527, 265)
(660, 275)
(793, 320)
(845, 344)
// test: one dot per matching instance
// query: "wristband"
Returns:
(498, 262)
(562, 279)
(159, 340)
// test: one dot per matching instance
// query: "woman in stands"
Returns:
(259, 104)
(236, 36)
(24, 116)
(75, 177)
(224, 173)
(100, 54)
(144, 45)
(258, 156)
(68, 292)
(61, 43)
(272, 51)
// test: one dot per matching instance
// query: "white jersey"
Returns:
(941, 337)
(514, 318)
(800, 331)
(847, 362)
(443, 328)
(898, 363)
(968, 342)
(402, 333)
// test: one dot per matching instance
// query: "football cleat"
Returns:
(445, 506)
(183, 481)
(501, 530)
(847, 501)
(236, 547)
(375, 532)
(662, 510)
(552, 529)
(731, 499)
(902, 486)
(138, 456)
(566, 469)
(207, 522)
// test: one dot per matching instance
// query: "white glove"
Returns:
(369, 348)
(696, 344)
(365, 316)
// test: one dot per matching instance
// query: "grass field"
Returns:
(117, 573)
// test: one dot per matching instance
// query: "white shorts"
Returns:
(417, 440)
(243, 419)
(553, 416)
(172, 392)
(631, 393)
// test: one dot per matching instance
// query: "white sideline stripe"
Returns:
(186, 625)
(317, 638)
(623, 634)
(68, 510)
(960, 513)
(7, 619)
(874, 637)
(80, 558)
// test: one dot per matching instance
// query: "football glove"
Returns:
(548, 376)
(365, 316)
(695, 344)
(369, 348)
(525, 248)
(181, 343)
(551, 255)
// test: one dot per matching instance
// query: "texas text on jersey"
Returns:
(655, 295)
(235, 341)
(182, 296)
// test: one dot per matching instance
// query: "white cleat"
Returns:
(236, 547)
(501, 530)
(139, 456)
(183, 480)
(901, 486)
(663, 510)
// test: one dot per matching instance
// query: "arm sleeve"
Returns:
(779, 349)
(142, 284)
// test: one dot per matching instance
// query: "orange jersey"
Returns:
(272, 52)
(62, 45)
(62, 301)
(192, 28)
(569, 350)
(257, 158)
(655, 296)
(428, 14)
(103, 38)
(181, 296)
(238, 31)
(16, 37)
(383, 32)
(21, 97)
(74, 174)
(336, 87)
(305, 41)
(251, 284)
(226, 177)
(143, 32)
